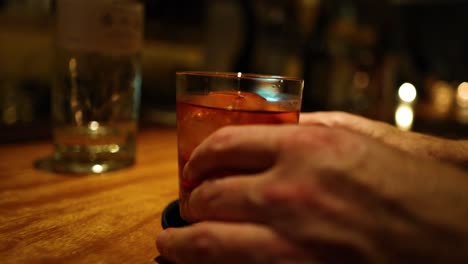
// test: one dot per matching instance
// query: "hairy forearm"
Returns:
(445, 150)
(451, 151)
(457, 153)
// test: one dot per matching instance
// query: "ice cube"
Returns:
(236, 100)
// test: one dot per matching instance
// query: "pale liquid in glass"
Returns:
(95, 108)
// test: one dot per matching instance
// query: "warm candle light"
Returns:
(97, 168)
(404, 117)
(94, 126)
(407, 93)
(462, 94)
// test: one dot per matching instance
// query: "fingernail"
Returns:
(189, 185)
(186, 171)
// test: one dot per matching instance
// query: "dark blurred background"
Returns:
(404, 62)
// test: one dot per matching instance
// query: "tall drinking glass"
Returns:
(207, 101)
(96, 93)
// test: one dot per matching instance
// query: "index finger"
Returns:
(233, 150)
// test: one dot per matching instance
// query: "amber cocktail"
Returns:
(208, 101)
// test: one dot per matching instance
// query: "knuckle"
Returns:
(340, 118)
(279, 195)
(208, 192)
(310, 138)
(203, 241)
(198, 206)
(220, 138)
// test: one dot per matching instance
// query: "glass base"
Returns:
(71, 167)
(171, 218)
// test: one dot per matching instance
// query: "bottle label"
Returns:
(100, 26)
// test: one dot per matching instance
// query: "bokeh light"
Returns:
(462, 94)
(404, 117)
(407, 93)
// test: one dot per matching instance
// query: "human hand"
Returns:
(453, 151)
(311, 194)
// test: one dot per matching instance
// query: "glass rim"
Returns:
(239, 75)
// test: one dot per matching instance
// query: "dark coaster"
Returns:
(161, 260)
(171, 216)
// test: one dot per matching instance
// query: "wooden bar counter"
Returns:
(108, 218)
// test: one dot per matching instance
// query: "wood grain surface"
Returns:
(108, 218)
